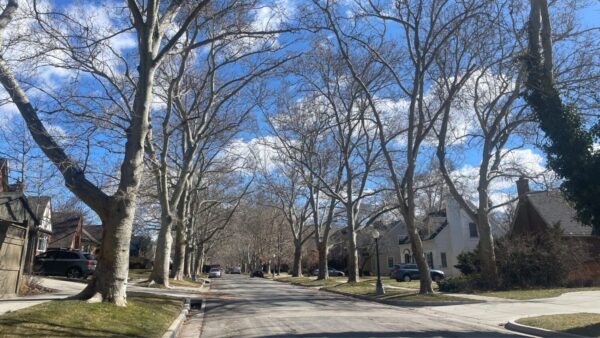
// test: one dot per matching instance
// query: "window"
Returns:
(407, 258)
(473, 230)
(444, 261)
(41, 244)
(430, 259)
(390, 262)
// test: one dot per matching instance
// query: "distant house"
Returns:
(39, 236)
(539, 210)
(445, 234)
(389, 255)
(67, 230)
(91, 238)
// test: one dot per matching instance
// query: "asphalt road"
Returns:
(239, 306)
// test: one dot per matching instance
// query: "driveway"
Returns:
(239, 306)
(65, 289)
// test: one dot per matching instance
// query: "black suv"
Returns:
(408, 272)
(64, 262)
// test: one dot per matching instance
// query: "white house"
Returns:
(445, 234)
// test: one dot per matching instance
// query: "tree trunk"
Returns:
(352, 258)
(109, 282)
(199, 260)
(162, 257)
(323, 253)
(418, 254)
(179, 259)
(187, 271)
(297, 267)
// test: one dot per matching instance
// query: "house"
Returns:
(16, 218)
(91, 238)
(539, 210)
(445, 234)
(67, 230)
(389, 255)
(39, 236)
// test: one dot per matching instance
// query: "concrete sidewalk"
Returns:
(498, 311)
(67, 288)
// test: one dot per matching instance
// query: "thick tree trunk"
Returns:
(323, 253)
(487, 254)
(297, 267)
(179, 259)
(162, 257)
(109, 282)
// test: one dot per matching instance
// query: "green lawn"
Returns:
(585, 324)
(144, 316)
(139, 273)
(534, 293)
(366, 288)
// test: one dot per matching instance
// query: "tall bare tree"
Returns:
(132, 93)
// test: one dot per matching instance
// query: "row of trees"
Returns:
(356, 99)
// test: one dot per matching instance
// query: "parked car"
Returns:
(236, 270)
(65, 262)
(257, 273)
(332, 273)
(408, 272)
(214, 273)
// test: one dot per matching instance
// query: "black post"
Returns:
(379, 286)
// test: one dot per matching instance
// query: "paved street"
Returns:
(239, 306)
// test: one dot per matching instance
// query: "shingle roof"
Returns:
(38, 205)
(553, 208)
(64, 225)
(93, 233)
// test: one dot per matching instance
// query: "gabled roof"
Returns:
(14, 207)
(553, 208)
(92, 233)
(65, 221)
(38, 205)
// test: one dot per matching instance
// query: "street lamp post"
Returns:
(379, 286)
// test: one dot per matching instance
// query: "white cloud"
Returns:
(515, 163)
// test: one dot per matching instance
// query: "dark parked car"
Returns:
(408, 272)
(257, 273)
(64, 262)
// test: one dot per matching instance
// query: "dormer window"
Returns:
(473, 230)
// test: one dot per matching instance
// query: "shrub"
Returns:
(468, 262)
(541, 260)
(459, 284)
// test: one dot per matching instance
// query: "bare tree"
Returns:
(425, 29)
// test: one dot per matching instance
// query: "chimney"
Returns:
(522, 186)
(3, 175)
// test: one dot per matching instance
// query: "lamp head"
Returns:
(375, 234)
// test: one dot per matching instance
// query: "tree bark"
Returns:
(162, 257)
(353, 273)
(109, 280)
(323, 264)
(297, 267)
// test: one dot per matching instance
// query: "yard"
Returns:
(395, 291)
(585, 324)
(144, 316)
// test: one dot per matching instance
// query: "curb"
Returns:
(175, 327)
(536, 331)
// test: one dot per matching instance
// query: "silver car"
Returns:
(214, 273)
